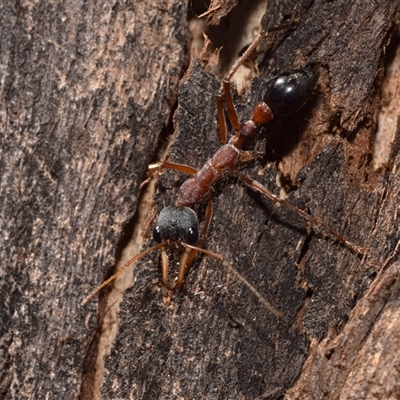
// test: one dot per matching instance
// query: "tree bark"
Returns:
(82, 113)
(86, 89)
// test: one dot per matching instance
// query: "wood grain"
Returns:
(87, 90)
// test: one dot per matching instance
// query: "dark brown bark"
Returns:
(83, 106)
(86, 90)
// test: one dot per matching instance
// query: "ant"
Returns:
(177, 227)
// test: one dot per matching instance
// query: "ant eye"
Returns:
(192, 236)
(157, 234)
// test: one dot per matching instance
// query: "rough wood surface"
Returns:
(82, 110)
(86, 90)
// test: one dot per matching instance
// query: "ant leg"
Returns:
(221, 120)
(179, 167)
(315, 221)
(154, 168)
(232, 114)
(167, 165)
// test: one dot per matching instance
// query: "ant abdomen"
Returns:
(176, 223)
(288, 92)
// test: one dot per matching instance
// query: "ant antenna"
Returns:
(234, 271)
(122, 269)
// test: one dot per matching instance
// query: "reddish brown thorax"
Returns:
(197, 189)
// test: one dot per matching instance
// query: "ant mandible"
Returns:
(177, 226)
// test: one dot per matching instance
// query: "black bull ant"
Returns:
(177, 226)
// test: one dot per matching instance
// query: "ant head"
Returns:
(287, 92)
(177, 224)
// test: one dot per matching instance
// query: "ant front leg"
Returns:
(232, 114)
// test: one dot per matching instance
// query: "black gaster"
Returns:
(287, 92)
(177, 224)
